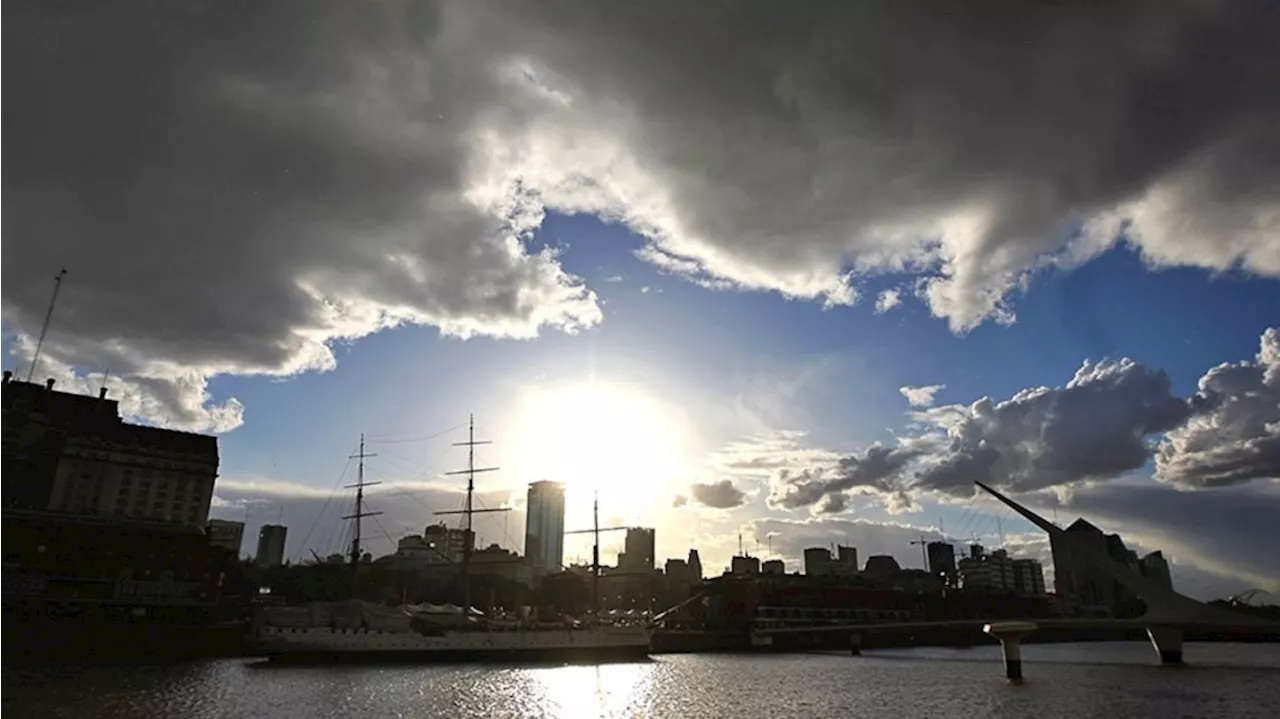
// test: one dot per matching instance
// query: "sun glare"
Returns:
(597, 436)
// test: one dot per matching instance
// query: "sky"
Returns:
(757, 274)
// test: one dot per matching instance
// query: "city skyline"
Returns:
(795, 286)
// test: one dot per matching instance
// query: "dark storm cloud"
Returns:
(877, 468)
(718, 495)
(236, 185)
(782, 141)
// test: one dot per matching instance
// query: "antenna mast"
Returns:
(359, 487)
(48, 315)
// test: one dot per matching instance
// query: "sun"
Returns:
(595, 436)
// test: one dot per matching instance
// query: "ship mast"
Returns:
(359, 513)
(469, 537)
(595, 556)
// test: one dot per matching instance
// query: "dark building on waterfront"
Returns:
(73, 453)
(1084, 588)
(271, 541)
(637, 555)
(942, 558)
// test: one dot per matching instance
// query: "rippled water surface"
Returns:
(1117, 681)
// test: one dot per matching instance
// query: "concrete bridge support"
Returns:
(1010, 635)
(1167, 642)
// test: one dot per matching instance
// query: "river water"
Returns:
(1112, 680)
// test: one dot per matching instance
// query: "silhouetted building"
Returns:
(1028, 578)
(678, 573)
(1078, 581)
(817, 562)
(109, 567)
(271, 539)
(744, 565)
(226, 533)
(637, 557)
(882, 566)
(544, 527)
(73, 453)
(447, 545)
(1156, 568)
(773, 566)
(695, 565)
(845, 563)
(987, 572)
(942, 557)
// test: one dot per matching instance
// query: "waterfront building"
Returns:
(226, 533)
(544, 527)
(1156, 568)
(695, 565)
(271, 540)
(773, 566)
(73, 453)
(1028, 577)
(942, 558)
(744, 565)
(637, 556)
(845, 562)
(817, 562)
(882, 566)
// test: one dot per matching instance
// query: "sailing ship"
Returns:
(363, 631)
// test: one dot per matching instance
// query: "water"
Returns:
(1118, 681)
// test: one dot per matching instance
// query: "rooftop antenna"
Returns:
(48, 315)
(102, 388)
(1000, 530)
(280, 515)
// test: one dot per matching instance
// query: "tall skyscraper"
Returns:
(544, 526)
(271, 540)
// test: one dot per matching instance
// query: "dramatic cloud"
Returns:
(719, 495)
(1234, 434)
(878, 469)
(921, 396)
(236, 186)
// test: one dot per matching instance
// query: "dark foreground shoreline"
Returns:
(125, 641)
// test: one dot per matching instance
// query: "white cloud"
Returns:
(921, 396)
(887, 300)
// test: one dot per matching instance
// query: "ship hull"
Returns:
(523, 655)
(326, 646)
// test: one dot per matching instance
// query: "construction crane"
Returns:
(595, 552)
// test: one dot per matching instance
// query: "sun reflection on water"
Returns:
(578, 692)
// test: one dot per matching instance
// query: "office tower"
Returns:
(544, 526)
